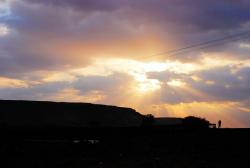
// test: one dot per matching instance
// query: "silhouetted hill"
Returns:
(15, 113)
(116, 142)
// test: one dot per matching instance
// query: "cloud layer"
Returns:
(106, 52)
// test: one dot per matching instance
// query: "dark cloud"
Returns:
(201, 13)
(51, 34)
(102, 83)
(218, 84)
(47, 37)
(35, 92)
(228, 85)
(166, 76)
(87, 5)
(112, 86)
(20, 55)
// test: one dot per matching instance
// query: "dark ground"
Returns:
(125, 148)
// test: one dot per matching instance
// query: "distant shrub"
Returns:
(195, 122)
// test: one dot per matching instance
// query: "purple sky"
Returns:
(104, 52)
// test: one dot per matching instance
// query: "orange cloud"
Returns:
(12, 83)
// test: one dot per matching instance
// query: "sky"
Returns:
(116, 52)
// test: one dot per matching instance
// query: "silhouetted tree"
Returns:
(195, 122)
(148, 120)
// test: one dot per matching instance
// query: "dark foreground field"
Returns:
(125, 148)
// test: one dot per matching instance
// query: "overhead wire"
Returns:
(203, 45)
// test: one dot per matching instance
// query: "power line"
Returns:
(213, 44)
(203, 45)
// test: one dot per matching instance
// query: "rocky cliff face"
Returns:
(52, 114)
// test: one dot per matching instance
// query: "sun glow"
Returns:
(148, 85)
(3, 30)
(135, 69)
(138, 71)
(176, 83)
(154, 67)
